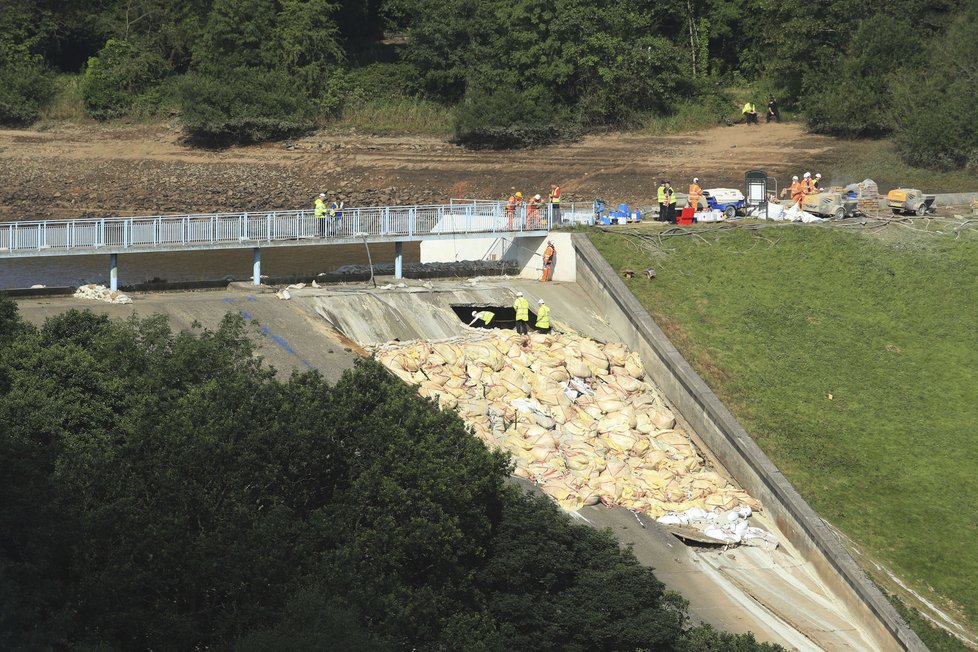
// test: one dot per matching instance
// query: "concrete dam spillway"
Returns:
(807, 594)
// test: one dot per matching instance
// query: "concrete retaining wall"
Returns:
(526, 251)
(738, 453)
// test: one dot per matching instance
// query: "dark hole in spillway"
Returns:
(503, 316)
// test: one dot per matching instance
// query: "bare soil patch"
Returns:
(95, 170)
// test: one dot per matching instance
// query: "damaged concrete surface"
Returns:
(775, 594)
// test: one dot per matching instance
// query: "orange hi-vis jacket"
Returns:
(695, 192)
(808, 186)
(548, 254)
(797, 191)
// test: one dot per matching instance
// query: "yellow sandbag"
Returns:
(655, 459)
(616, 352)
(663, 419)
(640, 448)
(609, 404)
(541, 453)
(614, 422)
(578, 368)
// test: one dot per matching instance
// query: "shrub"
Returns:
(508, 119)
(244, 105)
(855, 100)
(936, 113)
(116, 78)
(25, 88)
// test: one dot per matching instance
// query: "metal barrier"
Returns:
(176, 232)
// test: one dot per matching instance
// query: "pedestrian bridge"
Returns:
(265, 229)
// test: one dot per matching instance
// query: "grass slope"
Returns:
(851, 360)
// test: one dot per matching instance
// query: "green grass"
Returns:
(687, 117)
(403, 115)
(851, 360)
(68, 105)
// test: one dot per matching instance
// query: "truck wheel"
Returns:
(730, 212)
(839, 213)
(897, 211)
(921, 209)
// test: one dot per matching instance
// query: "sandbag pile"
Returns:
(578, 417)
(729, 528)
(101, 293)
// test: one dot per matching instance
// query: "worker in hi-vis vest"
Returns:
(320, 208)
(485, 315)
(543, 317)
(554, 204)
(522, 308)
(336, 215)
(548, 261)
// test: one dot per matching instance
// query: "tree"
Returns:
(116, 78)
(934, 108)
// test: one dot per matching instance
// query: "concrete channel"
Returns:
(809, 594)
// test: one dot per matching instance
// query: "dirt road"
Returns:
(97, 170)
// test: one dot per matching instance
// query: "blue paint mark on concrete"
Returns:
(250, 298)
(247, 315)
(278, 339)
(227, 300)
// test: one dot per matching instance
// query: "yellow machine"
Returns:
(909, 201)
(830, 204)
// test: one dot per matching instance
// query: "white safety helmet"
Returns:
(818, 175)
(475, 313)
(696, 179)
(322, 195)
(540, 301)
(794, 178)
(519, 294)
(536, 196)
(808, 174)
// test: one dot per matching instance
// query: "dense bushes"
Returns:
(165, 491)
(571, 65)
(26, 86)
(507, 118)
(243, 105)
(935, 109)
(117, 77)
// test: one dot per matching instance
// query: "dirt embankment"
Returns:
(87, 171)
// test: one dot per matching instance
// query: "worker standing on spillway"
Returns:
(548, 261)
(543, 317)
(522, 308)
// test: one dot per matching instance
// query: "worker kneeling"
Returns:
(485, 315)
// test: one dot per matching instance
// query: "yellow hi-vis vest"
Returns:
(543, 316)
(522, 308)
(320, 208)
(486, 316)
(662, 194)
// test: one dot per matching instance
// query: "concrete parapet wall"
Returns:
(738, 453)
(526, 251)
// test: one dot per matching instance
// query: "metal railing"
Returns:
(255, 228)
